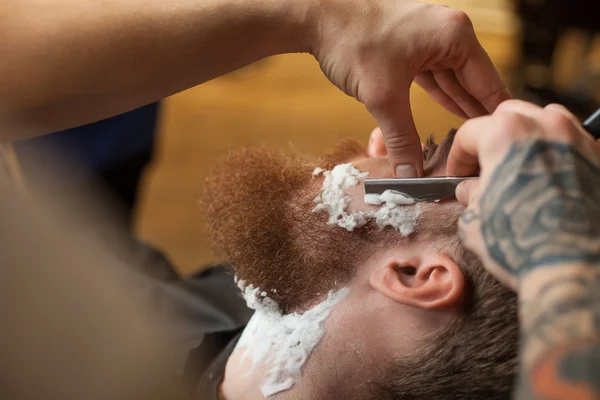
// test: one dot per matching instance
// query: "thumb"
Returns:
(401, 139)
(465, 191)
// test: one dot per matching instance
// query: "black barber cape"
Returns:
(227, 312)
(209, 315)
(204, 372)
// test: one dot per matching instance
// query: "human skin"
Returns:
(400, 309)
(532, 218)
(69, 62)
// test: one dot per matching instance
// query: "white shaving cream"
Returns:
(334, 199)
(282, 343)
(390, 197)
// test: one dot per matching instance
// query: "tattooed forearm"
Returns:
(542, 207)
(540, 221)
(560, 313)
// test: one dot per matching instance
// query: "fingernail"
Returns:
(406, 171)
(460, 191)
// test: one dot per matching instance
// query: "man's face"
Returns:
(260, 205)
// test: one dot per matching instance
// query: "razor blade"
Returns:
(439, 188)
(420, 189)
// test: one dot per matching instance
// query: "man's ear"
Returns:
(433, 281)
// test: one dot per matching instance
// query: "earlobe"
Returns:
(433, 282)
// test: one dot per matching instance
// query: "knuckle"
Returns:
(554, 107)
(561, 123)
(512, 125)
(457, 25)
(398, 144)
(458, 18)
(467, 126)
(507, 106)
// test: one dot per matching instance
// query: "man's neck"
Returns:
(241, 379)
(277, 353)
(327, 374)
(245, 381)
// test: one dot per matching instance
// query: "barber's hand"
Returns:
(537, 201)
(374, 49)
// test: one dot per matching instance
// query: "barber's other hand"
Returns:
(536, 202)
(374, 49)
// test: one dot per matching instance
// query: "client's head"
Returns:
(407, 312)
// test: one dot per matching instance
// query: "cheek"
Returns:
(378, 168)
(357, 202)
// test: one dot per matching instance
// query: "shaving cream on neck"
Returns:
(334, 199)
(282, 343)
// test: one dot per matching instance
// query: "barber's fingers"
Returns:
(562, 110)
(534, 111)
(564, 123)
(467, 191)
(519, 108)
(479, 77)
(428, 83)
(463, 156)
(447, 81)
(511, 120)
(394, 117)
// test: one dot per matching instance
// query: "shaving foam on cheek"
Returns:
(334, 199)
(390, 197)
(282, 343)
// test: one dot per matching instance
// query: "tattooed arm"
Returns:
(560, 313)
(534, 219)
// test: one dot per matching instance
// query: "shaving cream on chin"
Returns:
(281, 344)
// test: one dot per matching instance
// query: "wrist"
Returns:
(535, 281)
(557, 306)
(295, 25)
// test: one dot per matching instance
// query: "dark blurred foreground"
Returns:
(71, 326)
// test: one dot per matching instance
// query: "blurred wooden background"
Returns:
(283, 101)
